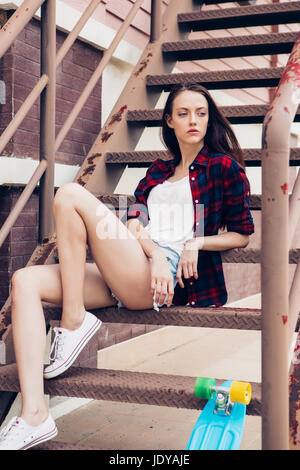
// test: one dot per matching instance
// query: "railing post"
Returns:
(47, 122)
(156, 20)
(275, 258)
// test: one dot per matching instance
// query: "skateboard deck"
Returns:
(218, 428)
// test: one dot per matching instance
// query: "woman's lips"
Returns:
(193, 131)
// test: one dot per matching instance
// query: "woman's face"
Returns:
(189, 118)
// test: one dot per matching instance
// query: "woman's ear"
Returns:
(169, 121)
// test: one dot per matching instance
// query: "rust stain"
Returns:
(143, 65)
(88, 170)
(81, 182)
(106, 136)
(117, 116)
(91, 159)
(284, 188)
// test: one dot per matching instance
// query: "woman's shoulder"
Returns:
(160, 164)
(225, 161)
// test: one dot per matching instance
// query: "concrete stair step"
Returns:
(220, 80)
(142, 159)
(232, 46)
(252, 15)
(206, 317)
(235, 114)
(131, 387)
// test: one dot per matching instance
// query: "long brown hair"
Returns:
(219, 137)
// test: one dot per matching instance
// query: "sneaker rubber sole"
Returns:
(41, 439)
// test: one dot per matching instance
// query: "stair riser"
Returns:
(227, 52)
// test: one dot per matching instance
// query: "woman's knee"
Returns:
(21, 282)
(66, 195)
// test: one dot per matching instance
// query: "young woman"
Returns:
(166, 250)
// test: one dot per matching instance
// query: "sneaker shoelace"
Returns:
(56, 351)
(12, 430)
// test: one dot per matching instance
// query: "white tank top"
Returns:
(171, 213)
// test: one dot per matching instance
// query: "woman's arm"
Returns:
(220, 242)
(161, 277)
(143, 237)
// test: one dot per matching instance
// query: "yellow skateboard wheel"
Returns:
(240, 392)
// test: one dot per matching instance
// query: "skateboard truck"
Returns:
(238, 392)
(223, 404)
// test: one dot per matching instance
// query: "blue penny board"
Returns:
(217, 432)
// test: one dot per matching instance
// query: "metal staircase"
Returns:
(114, 149)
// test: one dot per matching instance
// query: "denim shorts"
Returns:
(173, 258)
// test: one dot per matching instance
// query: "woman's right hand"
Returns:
(161, 278)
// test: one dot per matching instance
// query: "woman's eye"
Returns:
(182, 114)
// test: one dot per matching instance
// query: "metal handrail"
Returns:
(22, 112)
(7, 36)
(16, 23)
(72, 36)
(22, 200)
(274, 254)
(97, 74)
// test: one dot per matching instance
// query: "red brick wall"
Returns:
(22, 240)
(20, 70)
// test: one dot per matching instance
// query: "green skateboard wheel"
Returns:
(204, 387)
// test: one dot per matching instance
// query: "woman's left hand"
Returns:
(187, 265)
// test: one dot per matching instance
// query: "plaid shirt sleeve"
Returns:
(236, 212)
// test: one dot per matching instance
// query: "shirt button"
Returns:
(192, 167)
(196, 201)
(197, 223)
(193, 178)
(193, 303)
(191, 283)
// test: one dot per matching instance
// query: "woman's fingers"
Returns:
(179, 275)
(163, 292)
(186, 270)
(171, 293)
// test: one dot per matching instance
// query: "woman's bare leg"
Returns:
(81, 218)
(71, 238)
(31, 286)
(121, 261)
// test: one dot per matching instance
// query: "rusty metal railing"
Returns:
(280, 307)
(45, 87)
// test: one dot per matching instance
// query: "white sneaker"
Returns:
(18, 435)
(68, 344)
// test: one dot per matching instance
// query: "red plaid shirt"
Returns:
(220, 190)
